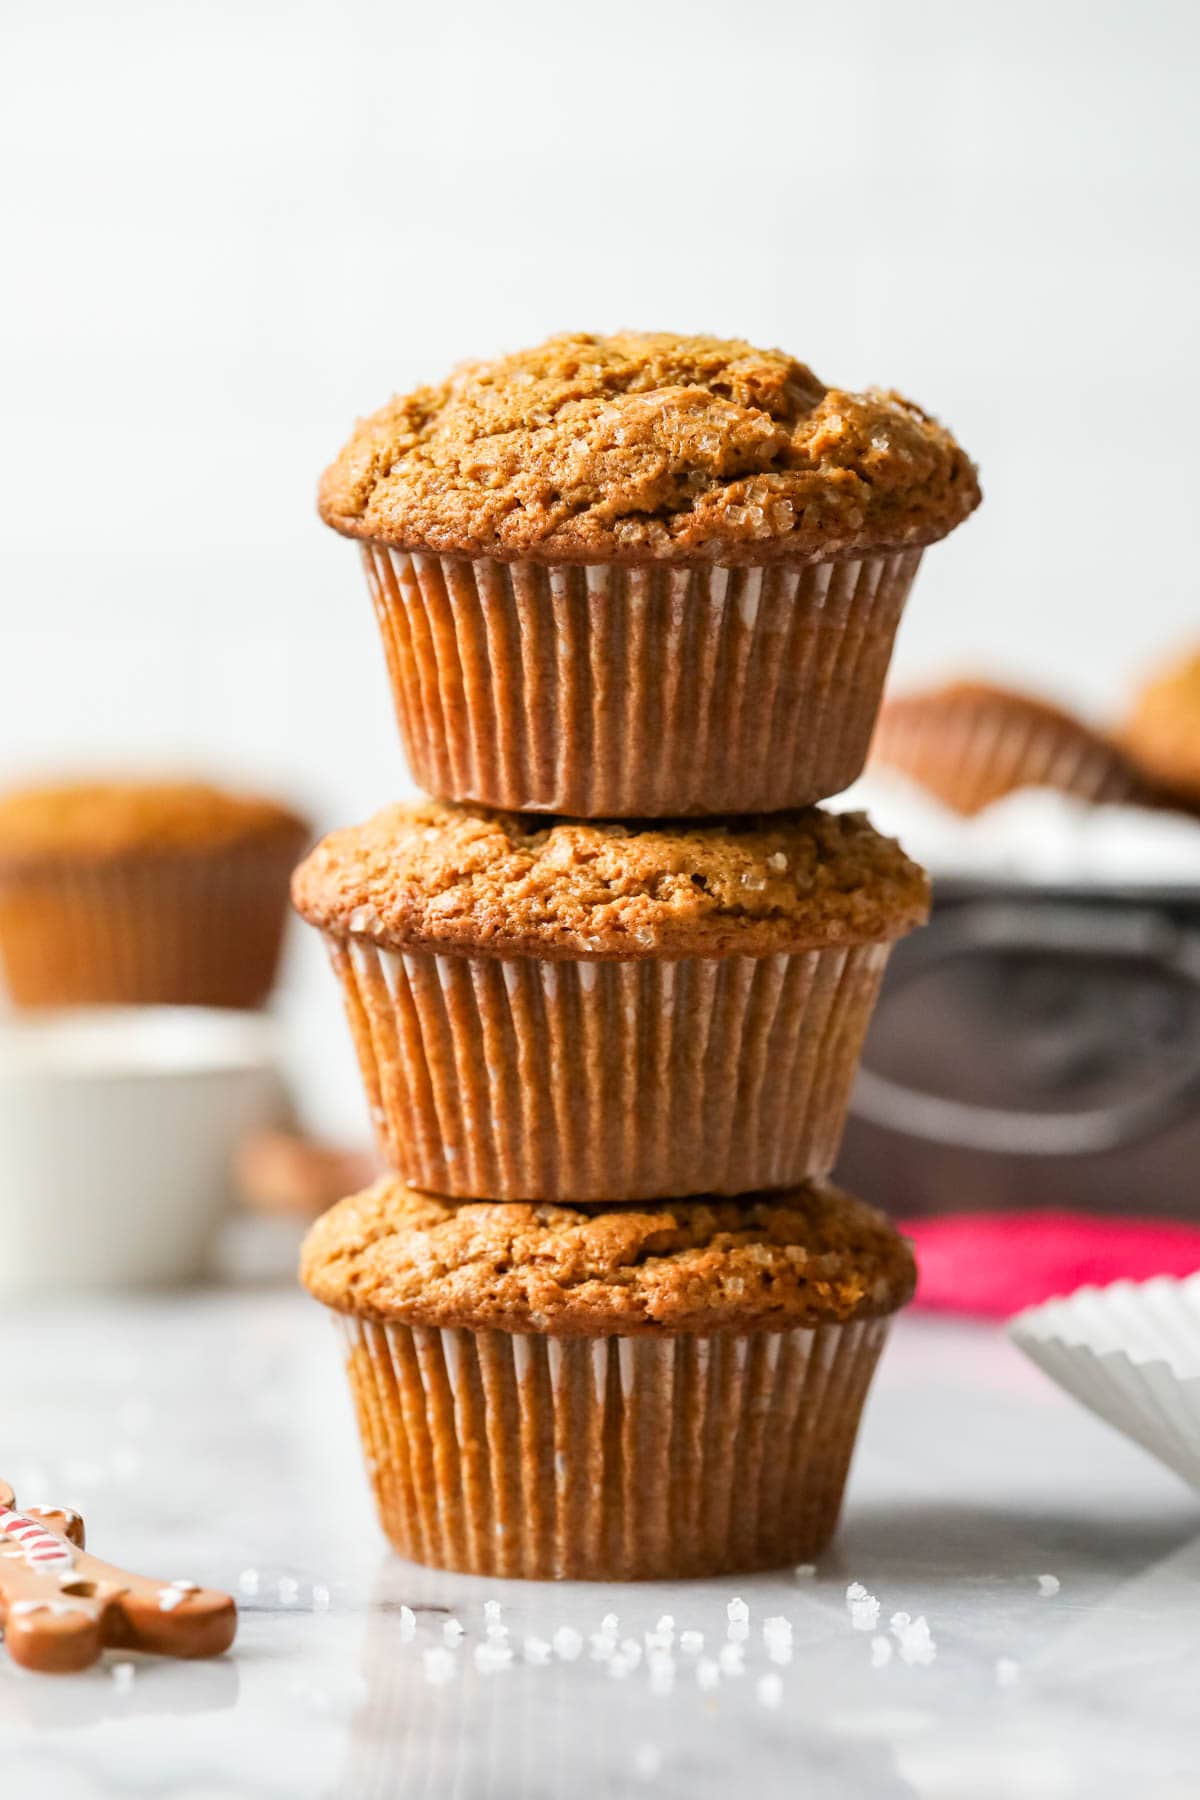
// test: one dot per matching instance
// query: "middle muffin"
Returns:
(550, 1010)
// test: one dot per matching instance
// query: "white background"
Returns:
(233, 227)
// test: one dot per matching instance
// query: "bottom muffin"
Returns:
(633, 1393)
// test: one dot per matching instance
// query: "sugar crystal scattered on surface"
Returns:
(321, 1598)
(1048, 1584)
(408, 1624)
(691, 1642)
(536, 1651)
(568, 1643)
(123, 1674)
(731, 1659)
(492, 1656)
(737, 1612)
(914, 1637)
(864, 1607)
(453, 1632)
(777, 1639)
(248, 1582)
(662, 1673)
(769, 1689)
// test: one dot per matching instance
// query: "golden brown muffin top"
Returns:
(646, 445)
(113, 818)
(806, 1256)
(1163, 733)
(450, 878)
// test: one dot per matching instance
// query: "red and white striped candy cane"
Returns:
(42, 1550)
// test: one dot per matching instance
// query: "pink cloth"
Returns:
(993, 1264)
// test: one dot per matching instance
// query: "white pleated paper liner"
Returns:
(1131, 1354)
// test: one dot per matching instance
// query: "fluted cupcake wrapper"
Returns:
(614, 692)
(163, 929)
(604, 1081)
(609, 1458)
(988, 750)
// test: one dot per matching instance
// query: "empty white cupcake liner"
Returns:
(1130, 1353)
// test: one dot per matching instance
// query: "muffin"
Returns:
(143, 893)
(1163, 735)
(651, 1392)
(562, 1010)
(969, 743)
(642, 575)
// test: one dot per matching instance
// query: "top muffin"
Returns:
(647, 445)
(98, 819)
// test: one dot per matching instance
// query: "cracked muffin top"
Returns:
(805, 1256)
(647, 446)
(462, 879)
(99, 819)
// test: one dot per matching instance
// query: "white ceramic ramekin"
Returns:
(117, 1132)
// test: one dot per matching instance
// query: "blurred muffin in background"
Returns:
(136, 892)
(969, 743)
(1163, 733)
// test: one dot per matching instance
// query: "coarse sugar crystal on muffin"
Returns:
(580, 552)
(562, 1010)
(640, 1392)
(143, 892)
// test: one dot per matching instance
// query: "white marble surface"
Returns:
(208, 1435)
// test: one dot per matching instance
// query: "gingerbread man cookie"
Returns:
(60, 1607)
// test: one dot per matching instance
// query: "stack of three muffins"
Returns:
(609, 1318)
